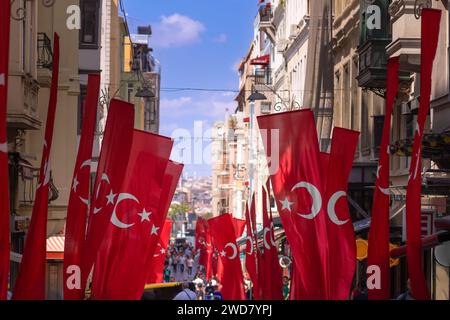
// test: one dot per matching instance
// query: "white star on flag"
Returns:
(75, 184)
(145, 216)
(110, 198)
(223, 253)
(163, 251)
(154, 230)
(286, 204)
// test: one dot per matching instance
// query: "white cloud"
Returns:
(213, 107)
(222, 38)
(175, 104)
(177, 31)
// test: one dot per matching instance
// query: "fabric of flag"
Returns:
(120, 269)
(77, 210)
(156, 266)
(431, 19)
(30, 282)
(224, 238)
(341, 235)
(111, 170)
(378, 252)
(298, 189)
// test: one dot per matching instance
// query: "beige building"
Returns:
(28, 94)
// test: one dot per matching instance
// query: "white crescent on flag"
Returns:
(114, 219)
(317, 199)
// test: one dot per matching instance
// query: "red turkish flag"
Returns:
(5, 12)
(79, 197)
(112, 166)
(430, 35)
(200, 232)
(238, 227)
(120, 269)
(156, 265)
(30, 283)
(250, 251)
(171, 178)
(298, 188)
(208, 260)
(224, 239)
(272, 277)
(378, 252)
(341, 235)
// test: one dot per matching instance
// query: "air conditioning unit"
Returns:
(282, 45)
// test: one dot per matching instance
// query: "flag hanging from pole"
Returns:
(171, 178)
(120, 269)
(378, 252)
(111, 169)
(298, 188)
(30, 282)
(341, 235)
(5, 12)
(156, 265)
(431, 19)
(79, 197)
(224, 237)
(271, 281)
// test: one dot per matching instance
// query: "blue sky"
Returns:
(199, 43)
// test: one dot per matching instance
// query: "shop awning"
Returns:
(261, 61)
(55, 248)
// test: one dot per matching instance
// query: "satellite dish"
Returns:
(285, 262)
(442, 254)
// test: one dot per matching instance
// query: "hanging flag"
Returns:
(272, 277)
(431, 19)
(298, 188)
(378, 252)
(238, 227)
(224, 238)
(171, 178)
(79, 197)
(30, 282)
(208, 260)
(250, 251)
(156, 266)
(111, 169)
(200, 232)
(5, 12)
(341, 235)
(120, 268)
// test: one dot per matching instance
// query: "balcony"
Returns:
(262, 79)
(266, 24)
(372, 51)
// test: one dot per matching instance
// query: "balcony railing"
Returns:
(263, 76)
(45, 53)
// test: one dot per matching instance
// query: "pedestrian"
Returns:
(182, 263)
(187, 293)
(174, 263)
(167, 274)
(190, 265)
(286, 288)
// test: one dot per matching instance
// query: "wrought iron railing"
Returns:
(45, 53)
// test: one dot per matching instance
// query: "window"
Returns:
(89, 24)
